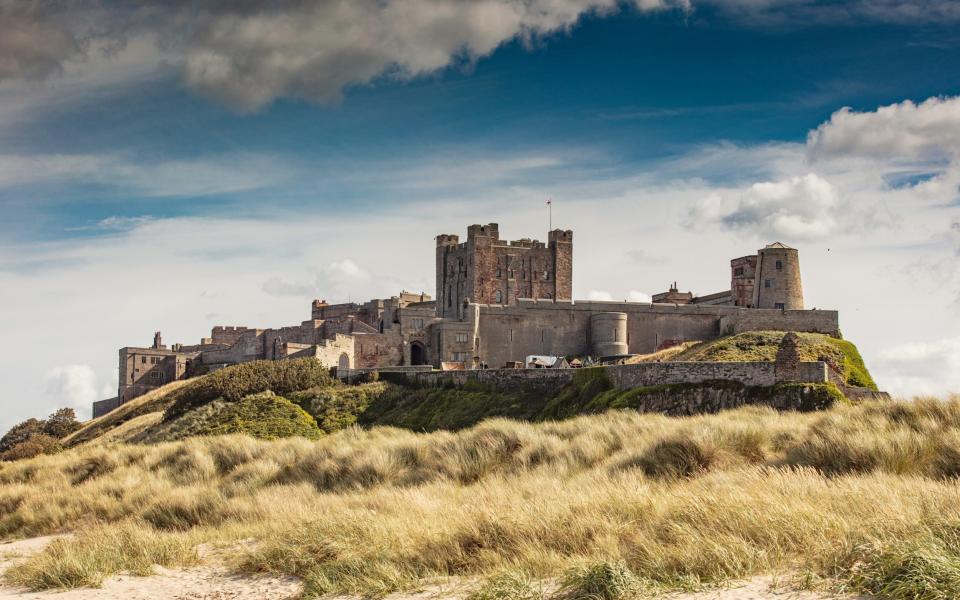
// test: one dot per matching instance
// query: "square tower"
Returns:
(486, 270)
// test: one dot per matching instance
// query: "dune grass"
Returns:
(857, 498)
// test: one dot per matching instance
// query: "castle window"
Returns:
(143, 359)
(459, 357)
(416, 323)
(499, 272)
(498, 297)
(510, 274)
(779, 265)
(767, 283)
(546, 275)
(461, 338)
(738, 272)
(778, 305)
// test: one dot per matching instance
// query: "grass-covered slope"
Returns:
(857, 498)
(841, 355)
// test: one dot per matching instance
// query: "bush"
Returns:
(33, 446)
(238, 381)
(337, 407)
(34, 436)
(265, 416)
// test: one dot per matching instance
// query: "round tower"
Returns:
(608, 333)
(777, 281)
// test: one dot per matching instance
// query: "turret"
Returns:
(777, 283)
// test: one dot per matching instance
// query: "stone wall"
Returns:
(510, 333)
(626, 377)
(810, 321)
(102, 407)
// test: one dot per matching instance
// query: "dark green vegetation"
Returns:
(433, 408)
(38, 436)
(842, 356)
(234, 383)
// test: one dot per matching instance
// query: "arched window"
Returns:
(498, 297)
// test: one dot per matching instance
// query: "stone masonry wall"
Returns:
(626, 377)
(510, 333)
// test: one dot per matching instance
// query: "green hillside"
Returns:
(841, 355)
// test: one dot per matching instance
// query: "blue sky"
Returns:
(193, 165)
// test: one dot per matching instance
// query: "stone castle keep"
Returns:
(497, 302)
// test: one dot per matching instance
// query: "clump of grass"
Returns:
(678, 457)
(603, 580)
(91, 556)
(509, 585)
(919, 568)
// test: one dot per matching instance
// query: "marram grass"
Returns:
(858, 498)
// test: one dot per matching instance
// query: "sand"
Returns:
(217, 583)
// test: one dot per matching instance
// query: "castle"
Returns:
(497, 303)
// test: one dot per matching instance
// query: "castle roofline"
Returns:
(780, 245)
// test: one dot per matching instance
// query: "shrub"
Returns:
(33, 446)
(337, 407)
(34, 436)
(265, 416)
(238, 381)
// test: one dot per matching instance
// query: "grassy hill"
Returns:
(842, 355)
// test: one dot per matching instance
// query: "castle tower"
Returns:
(777, 281)
(743, 271)
(488, 270)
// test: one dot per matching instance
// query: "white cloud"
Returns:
(635, 296)
(196, 177)
(926, 131)
(599, 295)
(921, 367)
(798, 208)
(74, 386)
(335, 280)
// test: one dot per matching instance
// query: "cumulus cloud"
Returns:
(926, 131)
(798, 208)
(248, 54)
(74, 386)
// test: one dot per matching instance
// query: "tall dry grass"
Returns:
(859, 498)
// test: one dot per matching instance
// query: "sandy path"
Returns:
(217, 583)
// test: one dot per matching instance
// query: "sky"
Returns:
(205, 163)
